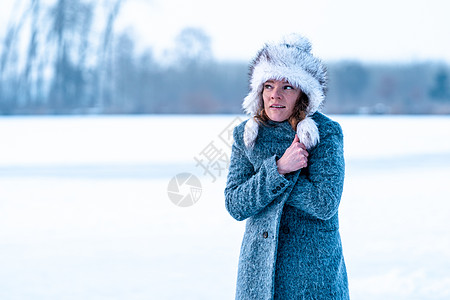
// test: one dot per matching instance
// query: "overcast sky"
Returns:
(382, 30)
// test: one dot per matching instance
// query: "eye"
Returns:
(267, 86)
(289, 87)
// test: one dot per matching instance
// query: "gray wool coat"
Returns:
(291, 247)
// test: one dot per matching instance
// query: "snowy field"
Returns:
(85, 211)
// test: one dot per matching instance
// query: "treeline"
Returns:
(415, 88)
(54, 59)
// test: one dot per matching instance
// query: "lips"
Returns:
(277, 106)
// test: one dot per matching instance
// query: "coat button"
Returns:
(286, 230)
(282, 184)
(278, 188)
(265, 234)
(274, 191)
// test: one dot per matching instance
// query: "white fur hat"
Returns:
(290, 60)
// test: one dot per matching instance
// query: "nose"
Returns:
(275, 93)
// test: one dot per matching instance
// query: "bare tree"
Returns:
(9, 59)
(105, 53)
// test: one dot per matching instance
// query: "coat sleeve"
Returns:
(249, 191)
(319, 192)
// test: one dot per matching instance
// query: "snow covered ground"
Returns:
(85, 211)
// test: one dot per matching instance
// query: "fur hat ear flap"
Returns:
(250, 133)
(252, 103)
(308, 133)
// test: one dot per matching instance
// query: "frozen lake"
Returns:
(85, 211)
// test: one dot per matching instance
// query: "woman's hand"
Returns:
(294, 158)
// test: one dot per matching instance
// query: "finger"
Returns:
(296, 139)
(304, 162)
(302, 152)
(303, 146)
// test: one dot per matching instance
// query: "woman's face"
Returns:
(279, 99)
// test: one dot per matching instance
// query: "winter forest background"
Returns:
(54, 59)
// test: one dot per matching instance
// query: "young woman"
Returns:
(286, 178)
